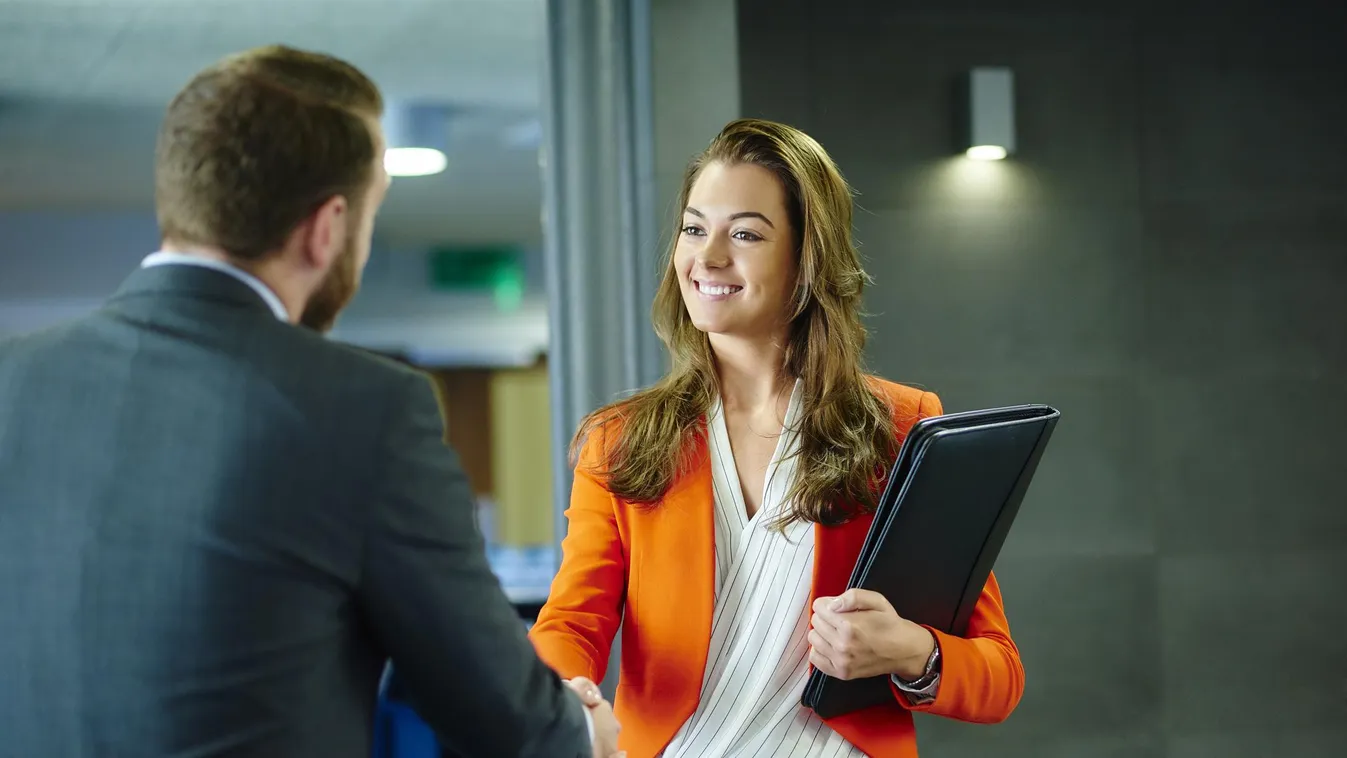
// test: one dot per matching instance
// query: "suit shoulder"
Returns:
(599, 432)
(909, 403)
(358, 378)
(355, 359)
(12, 345)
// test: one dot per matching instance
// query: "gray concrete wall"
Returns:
(1166, 261)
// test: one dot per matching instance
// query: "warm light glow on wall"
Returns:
(960, 183)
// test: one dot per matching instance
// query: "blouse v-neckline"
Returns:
(777, 475)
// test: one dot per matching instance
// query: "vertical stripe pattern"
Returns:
(758, 659)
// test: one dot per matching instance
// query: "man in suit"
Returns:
(215, 525)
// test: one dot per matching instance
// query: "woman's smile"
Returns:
(715, 291)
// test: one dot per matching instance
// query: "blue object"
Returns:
(398, 731)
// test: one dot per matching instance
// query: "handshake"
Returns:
(605, 723)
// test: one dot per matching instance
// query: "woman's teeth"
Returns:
(717, 289)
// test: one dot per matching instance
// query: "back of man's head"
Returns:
(255, 143)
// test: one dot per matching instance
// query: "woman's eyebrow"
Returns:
(735, 216)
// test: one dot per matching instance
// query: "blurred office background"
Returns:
(1163, 257)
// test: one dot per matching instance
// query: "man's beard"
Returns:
(333, 293)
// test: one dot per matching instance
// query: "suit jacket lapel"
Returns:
(835, 551)
(681, 555)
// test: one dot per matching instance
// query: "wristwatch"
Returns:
(928, 677)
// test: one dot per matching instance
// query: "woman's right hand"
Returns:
(588, 691)
(606, 727)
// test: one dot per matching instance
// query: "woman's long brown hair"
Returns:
(846, 430)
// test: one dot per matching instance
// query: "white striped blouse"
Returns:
(758, 660)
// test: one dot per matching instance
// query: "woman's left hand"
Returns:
(858, 635)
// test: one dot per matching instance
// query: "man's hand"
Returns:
(606, 727)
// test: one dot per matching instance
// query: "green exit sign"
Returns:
(495, 270)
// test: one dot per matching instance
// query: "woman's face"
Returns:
(735, 256)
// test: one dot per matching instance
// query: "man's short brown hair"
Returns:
(255, 143)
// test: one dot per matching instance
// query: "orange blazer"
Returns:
(653, 571)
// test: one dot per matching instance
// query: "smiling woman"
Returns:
(764, 209)
(717, 515)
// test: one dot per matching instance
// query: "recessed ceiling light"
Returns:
(414, 161)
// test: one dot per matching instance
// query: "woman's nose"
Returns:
(713, 254)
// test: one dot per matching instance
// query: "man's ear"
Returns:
(324, 234)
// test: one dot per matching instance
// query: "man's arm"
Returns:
(426, 589)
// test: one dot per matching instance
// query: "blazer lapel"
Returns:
(835, 551)
(693, 504)
(679, 562)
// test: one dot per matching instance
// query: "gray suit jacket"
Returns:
(215, 528)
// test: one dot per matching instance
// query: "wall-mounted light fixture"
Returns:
(415, 137)
(989, 133)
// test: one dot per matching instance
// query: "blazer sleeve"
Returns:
(982, 677)
(575, 629)
(433, 602)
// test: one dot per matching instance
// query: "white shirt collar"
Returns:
(163, 258)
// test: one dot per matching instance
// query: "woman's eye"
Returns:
(692, 231)
(747, 236)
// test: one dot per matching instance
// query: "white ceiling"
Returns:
(83, 83)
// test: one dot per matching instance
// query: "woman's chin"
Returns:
(711, 325)
(726, 325)
(718, 329)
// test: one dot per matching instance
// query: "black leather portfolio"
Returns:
(950, 500)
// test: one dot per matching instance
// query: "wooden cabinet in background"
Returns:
(499, 422)
(521, 456)
(465, 396)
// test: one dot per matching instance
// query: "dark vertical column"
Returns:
(597, 215)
